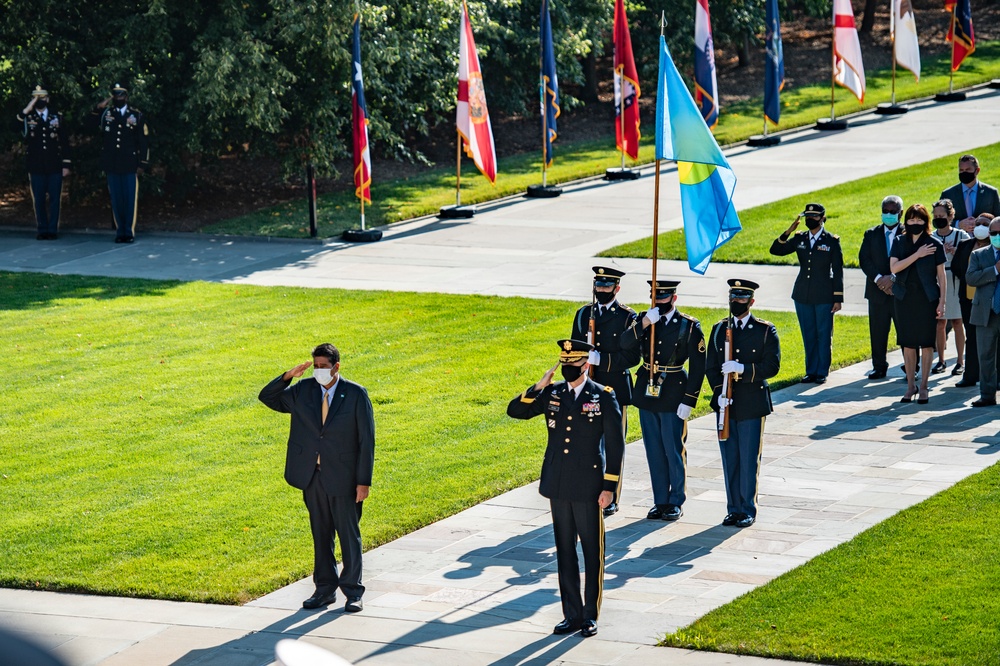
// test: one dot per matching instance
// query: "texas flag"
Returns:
(359, 114)
(472, 116)
(848, 69)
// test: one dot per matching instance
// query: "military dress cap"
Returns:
(742, 288)
(607, 277)
(573, 351)
(664, 287)
(118, 89)
(814, 209)
(39, 92)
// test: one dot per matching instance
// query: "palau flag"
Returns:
(707, 182)
(549, 83)
(774, 67)
(706, 87)
(359, 115)
(960, 33)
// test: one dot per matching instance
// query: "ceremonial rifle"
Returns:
(727, 383)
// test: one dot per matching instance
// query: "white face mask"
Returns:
(323, 375)
(981, 232)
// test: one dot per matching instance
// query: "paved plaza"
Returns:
(480, 587)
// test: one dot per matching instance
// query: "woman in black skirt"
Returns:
(917, 264)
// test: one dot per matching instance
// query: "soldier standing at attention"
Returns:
(124, 156)
(47, 139)
(755, 357)
(666, 403)
(819, 287)
(609, 363)
(582, 465)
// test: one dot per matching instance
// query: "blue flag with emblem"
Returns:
(549, 83)
(707, 182)
(774, 67)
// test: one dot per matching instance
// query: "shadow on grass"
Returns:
(26, 291)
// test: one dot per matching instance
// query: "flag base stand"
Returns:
(763, 141)
(621, 173)
(887, 109)
(457, 212)
(995, 83)
(831, 124)
(362, 235)
(542, 192)
(950, 97)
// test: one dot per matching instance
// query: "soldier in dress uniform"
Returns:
(666, 403)
(124, 156)
(47, 138)
(609, 363)
(819, 287)
(755, 357)
(579, 475)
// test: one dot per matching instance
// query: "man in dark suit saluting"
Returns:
(873, 257)
(971, 197)
(330, 456)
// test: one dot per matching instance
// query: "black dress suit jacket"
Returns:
(987, 200)
(345, 444)
(615, 361)
(677, 342)
(47, 140)
(874, 260)
(821, 267)
(756, 346)
(586, 444)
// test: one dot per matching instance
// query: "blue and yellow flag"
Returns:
(707, 182)
(549, 82)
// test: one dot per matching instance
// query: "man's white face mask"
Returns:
(323, 375)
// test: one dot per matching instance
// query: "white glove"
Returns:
(724, 401)
(730, 367)
(683, 411)
(594, 358)
(652, 316)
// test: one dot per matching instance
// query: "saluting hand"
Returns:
(795, 225)
(104, 103)
(546, 378)
(297, 370)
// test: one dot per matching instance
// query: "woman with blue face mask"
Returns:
(950, 237)
(959, 265)
(917, 264)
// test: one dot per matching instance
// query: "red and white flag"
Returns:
(472, 116)
(848, 69)
(626, 86)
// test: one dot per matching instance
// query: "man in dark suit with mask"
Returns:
(583, 462)
(873, 257)
(330, 456)
(819, 288)
(753, 357)
(971, 197)
(609, 362)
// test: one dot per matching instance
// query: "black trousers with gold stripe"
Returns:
(583, 520)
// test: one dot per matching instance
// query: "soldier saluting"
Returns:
(124, 156)
(47, 139)
(666, 402)
(581, 470)
(602, 323)
(749, 357)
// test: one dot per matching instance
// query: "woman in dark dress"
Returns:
(917, 264)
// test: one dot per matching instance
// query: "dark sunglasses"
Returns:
(994, 233)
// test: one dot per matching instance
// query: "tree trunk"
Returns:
(590, 77)
(868, 22)
(743, 49)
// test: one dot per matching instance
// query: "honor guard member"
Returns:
(583, 462)
(755, 357)
(47, 140)
(819, 288)
(124, 155)
(666, 403)
(609, 363)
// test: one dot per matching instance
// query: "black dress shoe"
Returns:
(130, 239)
(565, 627)
(319, 599)
(730, 519)
(671, 512)
(588, 629)
(611, 509)
(819, 380)
(354, 605)
(876, 374)
(965, 384)
(656, 513)
(808, 379)
(41, 237)
(984, 402)
(119, 239)
(745, 521)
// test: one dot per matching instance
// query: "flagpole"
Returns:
(833, 64)
(892, 29)
(652, 390)
(458, 171)
(621, 106)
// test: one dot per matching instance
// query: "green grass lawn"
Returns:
(920, 588)
(405, 198)
(136, 460)
(850, 209)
